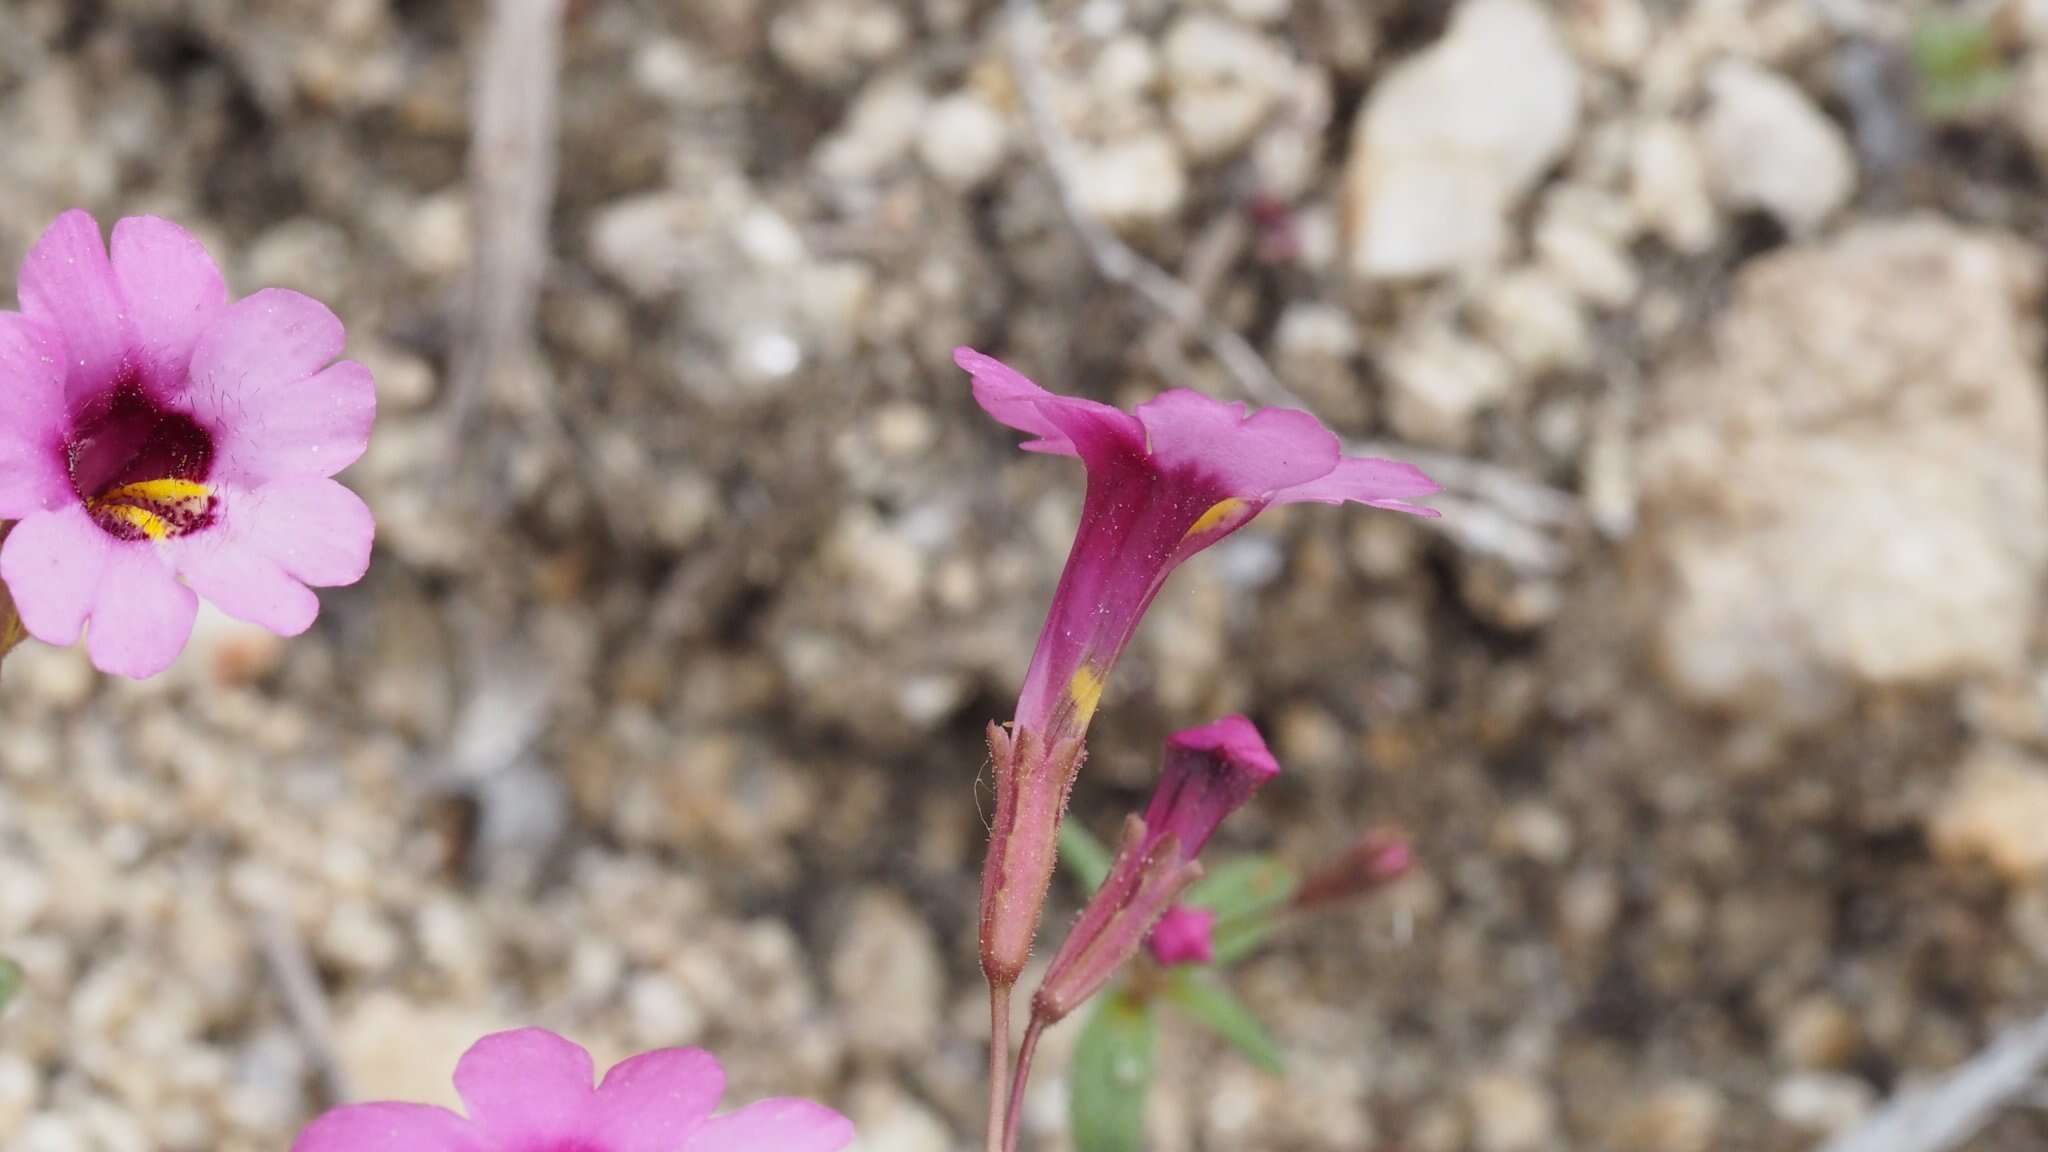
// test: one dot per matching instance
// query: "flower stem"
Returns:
(1024, 1053)
(998, 1065)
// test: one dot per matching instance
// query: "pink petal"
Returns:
(652, 1101)
(1011, 397)
(251, 374)
(1253, 457)
(173, 291)
(389, 1127)
(32, 476)
(67, 280)
(52, 563)
(1183, 936)
(784, 1125)
(244, 583)
(314, 427)
(527, 1089)
(316, 530)
(141, 616)
(1365, 480)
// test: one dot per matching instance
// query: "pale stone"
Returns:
(1438, 383)
(1223, 79)
(1452, 138)
(1769, 147)
(1669, 186)
(963, 140)
(1510, 1113)
(1846, 487)
(1134, 182)
(1996, 811)
(889, 977)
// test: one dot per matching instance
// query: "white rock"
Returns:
(1670, 188)
(888, 1120)
(1134, 182)
(963, 140)
(879, 131)
(1222, 80)
(889, 976)
(1439, 382)
(1453, 138)
(1259, 11)
(662, 1013)
(1996, 811)
(1536, 321)
(831, 42)
(1822, 1103)
(1769, 147)
(1510, 1114)
(1613, 33)
(1846, 490)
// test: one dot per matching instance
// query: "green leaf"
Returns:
(1201, 995)
(1111, 1073)
(10, 981)
(1244, 888)
(1083, 855)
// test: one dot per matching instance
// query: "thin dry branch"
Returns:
(512, 179)
(1945, 1114)
(1488, 509)
(305, 1002)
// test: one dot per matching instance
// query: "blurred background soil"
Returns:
(1715, 704)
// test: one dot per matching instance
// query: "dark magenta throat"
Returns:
(139, 467)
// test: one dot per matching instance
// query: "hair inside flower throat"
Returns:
(140, 468)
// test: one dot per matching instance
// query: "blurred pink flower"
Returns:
(530, 1091)
(1210, 772)
(1183, 936)
(1164, 482)
(151, 430)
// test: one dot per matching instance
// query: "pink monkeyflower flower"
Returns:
(1210, 772)
(1164, 482)
(531, 1091)
(159, 442)
(1183, 936)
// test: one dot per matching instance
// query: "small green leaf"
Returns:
(1083, 855)
(1201, 995)
(1246, 887)
(1111, 1074)
(10, 981)
(1233, 940)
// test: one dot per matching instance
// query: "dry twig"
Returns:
(305, 1002)
(1943, 1115)
(1488, 509)
(512, 179)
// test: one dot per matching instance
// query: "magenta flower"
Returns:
(1183, 936)
(1165, 482)
(530, 1091)
(1210, 772)
(159, 443)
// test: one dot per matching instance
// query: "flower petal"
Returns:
(1251, 457)
(52, 563)
(311, 428)
(141, 615)
(1367, 480)
(1011, 397)
(32, 410)
(316, 530)
(389, 1127)
(652, 1101)
(244, 583)
(250, 371)
(527, 1088)
(172, 290)
(785, 1125)
(67, 280)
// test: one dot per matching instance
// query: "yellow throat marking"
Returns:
(1085, 689)
(131, 503)
(1218, 512)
